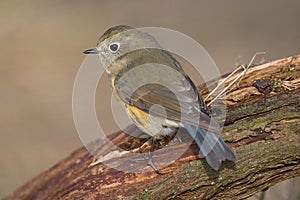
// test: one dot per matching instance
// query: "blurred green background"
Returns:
(41, 51)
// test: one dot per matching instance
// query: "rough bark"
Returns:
(262, 125)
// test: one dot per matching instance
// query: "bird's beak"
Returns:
(91, 51)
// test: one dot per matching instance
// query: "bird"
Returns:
(157, 94)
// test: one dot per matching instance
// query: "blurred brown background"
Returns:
(41, 51)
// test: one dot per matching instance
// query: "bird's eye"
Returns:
(114, 47)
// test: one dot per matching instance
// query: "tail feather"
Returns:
(213, 148)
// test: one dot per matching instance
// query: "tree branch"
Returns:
(262, 125)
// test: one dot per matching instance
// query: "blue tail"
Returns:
(213, 148)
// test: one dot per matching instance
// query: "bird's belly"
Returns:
(154, 126)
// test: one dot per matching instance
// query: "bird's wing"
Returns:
(180, 99)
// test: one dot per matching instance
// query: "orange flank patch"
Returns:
(137, 114)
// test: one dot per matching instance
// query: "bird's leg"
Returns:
(146, 151)
(240, 76)
(150, 163)
(153, 146)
